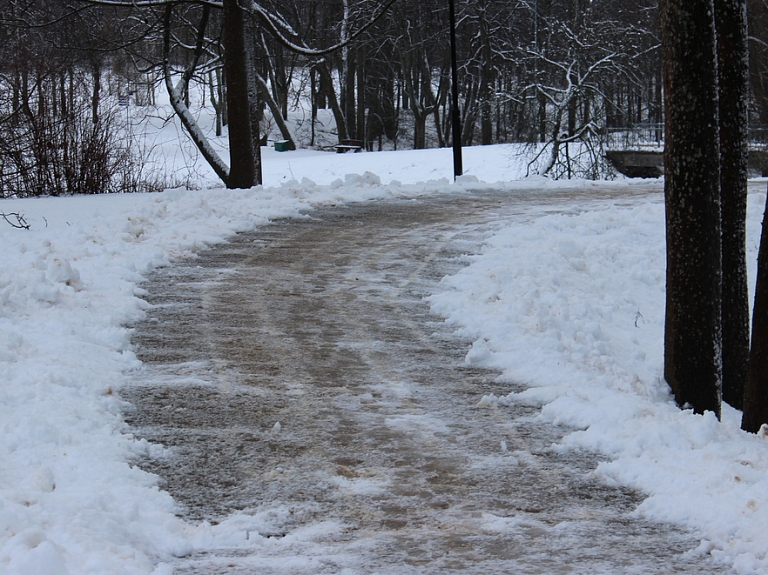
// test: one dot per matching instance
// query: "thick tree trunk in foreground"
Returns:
(756, 393)
(241, 165)
(733, 70)
(692, 338)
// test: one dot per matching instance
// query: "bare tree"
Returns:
(556, 70)
(58, 134)
(242, 84)
(416, 68)
(579, 57)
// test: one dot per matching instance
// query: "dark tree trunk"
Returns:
(361, 128)
(659, 103)
(486, 120)
(54, 98)
(314, 97)
(756, 393)
(542, 101)
(443, 91)
(348, 92)
(419, 131)
(241, 171)
(487, 80)
(62, 94)
(254, 101)
(692, 338)
(274, 107)
(96, 94)
(573, 108)
(733, 69)
(326, 81)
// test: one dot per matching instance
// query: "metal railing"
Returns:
(651, 136)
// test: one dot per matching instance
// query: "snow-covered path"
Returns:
(296, 375)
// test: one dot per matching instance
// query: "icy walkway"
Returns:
(381, 461)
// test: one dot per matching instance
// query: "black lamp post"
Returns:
(458, 169)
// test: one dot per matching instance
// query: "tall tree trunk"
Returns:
(542, 110)
(241, 153)
(361, 104)
(96, 94)
(254, 101)
(487, 80)
(756, 392)
(348, 91)
(692, 338)
(54, 97)
(347, 76)
(216, 102)
(314, 97)
(733, 70)
(659, 99)
(419, 130)
(274, 107)
(326, 81)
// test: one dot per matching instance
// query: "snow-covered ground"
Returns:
(572, 304)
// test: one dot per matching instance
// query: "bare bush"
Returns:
(50, 149)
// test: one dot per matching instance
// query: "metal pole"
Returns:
(458, 169)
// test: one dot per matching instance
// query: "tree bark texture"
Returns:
(756, 393)
(241, 168)
(692, 338)
(254, 100)
(733, 71)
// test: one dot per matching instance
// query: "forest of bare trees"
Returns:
(565, 76)
(535, 71)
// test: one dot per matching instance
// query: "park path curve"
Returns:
(297, 375)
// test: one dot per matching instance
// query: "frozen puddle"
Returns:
(315, 410)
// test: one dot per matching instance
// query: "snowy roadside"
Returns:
(557, 289)
(573, 305)
(70, 500)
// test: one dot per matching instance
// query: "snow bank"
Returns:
(70, 499)
(570, 304)
(573, 307)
